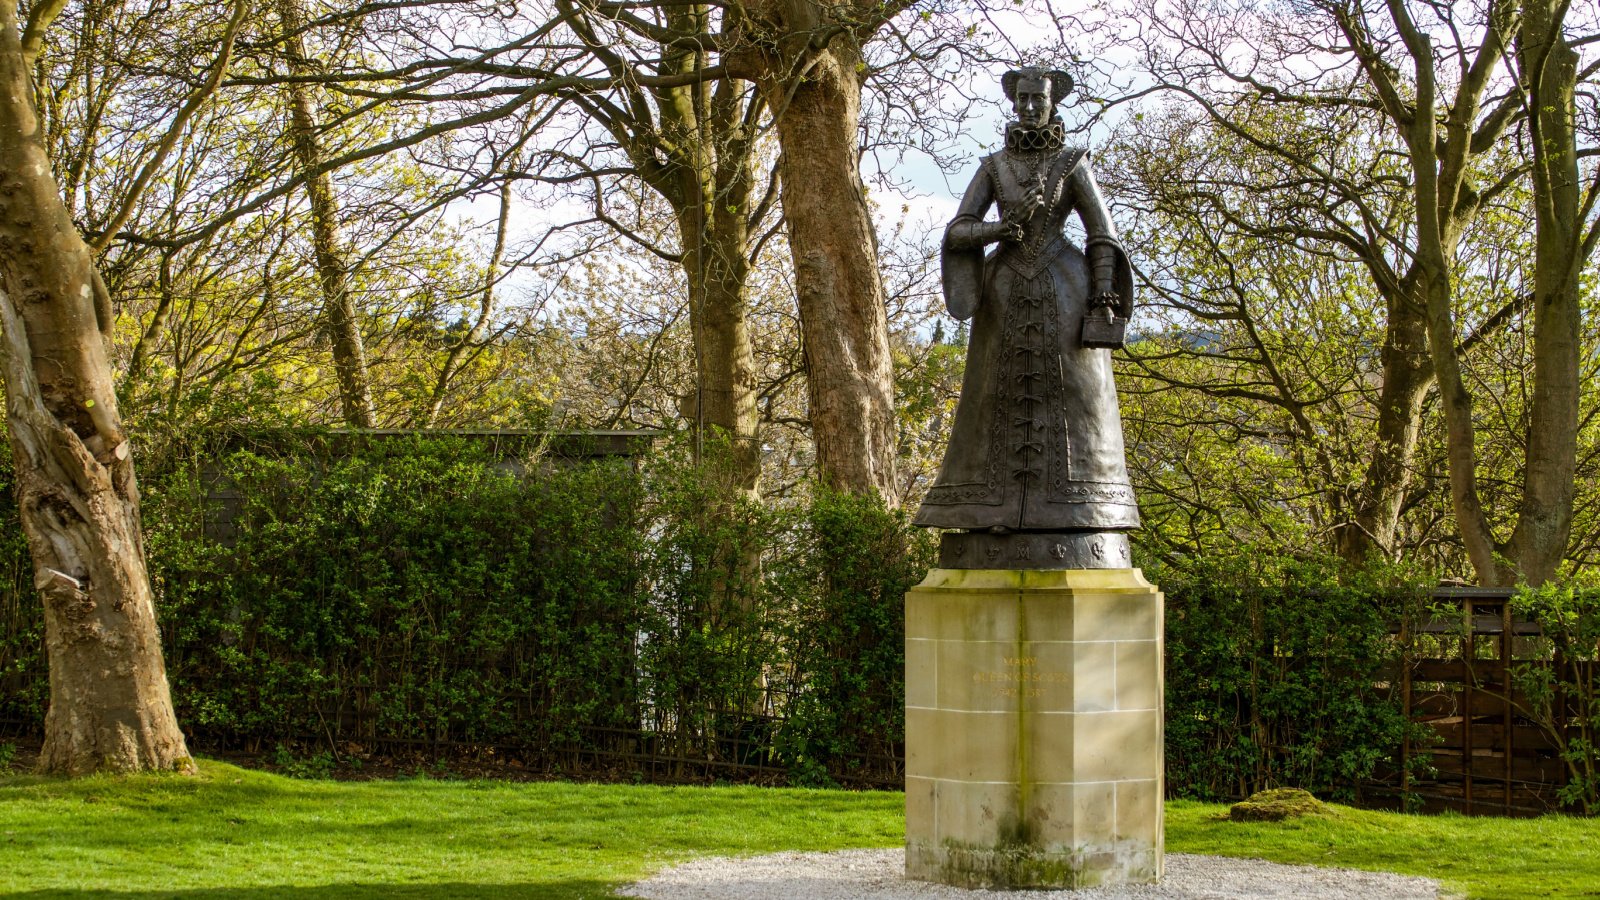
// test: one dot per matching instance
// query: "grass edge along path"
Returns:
(239, 833)
(1477, 857)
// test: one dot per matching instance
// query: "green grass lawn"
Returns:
(238, 833)
(1502, 859)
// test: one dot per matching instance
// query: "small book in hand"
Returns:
(1102, 327)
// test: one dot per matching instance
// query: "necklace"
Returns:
(1028, 170)
(1030, 174)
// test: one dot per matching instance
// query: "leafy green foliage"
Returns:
(704, 648)
(1563, 698)
(845, 633)
(413, 590)
(416, 589)
(317, 766)
(1274, 677)
(420, 594)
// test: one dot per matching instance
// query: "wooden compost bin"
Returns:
(1456, 675)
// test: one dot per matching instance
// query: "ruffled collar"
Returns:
(1050, 136)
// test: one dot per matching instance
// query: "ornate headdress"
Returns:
(1060, 82)
(1050, 136)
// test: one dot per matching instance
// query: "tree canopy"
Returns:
(1364, 233)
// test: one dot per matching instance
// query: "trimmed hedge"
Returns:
(1276, 677)
(419, 592)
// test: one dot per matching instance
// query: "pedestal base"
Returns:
(1033, 728)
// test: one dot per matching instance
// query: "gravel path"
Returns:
(876, 875)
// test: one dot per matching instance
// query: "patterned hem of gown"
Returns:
(977, 493)
(1035, 550)
(1061, 517)
(969, 493)
(1091, 492)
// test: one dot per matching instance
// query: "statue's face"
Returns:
(1032, 103)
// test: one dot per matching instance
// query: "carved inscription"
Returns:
(1021, 677)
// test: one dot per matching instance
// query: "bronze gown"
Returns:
(1037, 441)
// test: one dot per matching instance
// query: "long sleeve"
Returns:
(968, 230)
(1102, 246)
(961, 259)
(1090, 204)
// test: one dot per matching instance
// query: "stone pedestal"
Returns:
(1033, 728)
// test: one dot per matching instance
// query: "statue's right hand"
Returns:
(1003, 230)
(1011, 225)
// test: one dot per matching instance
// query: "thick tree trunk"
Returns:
(709, 178)
(1460, 434)
(844, 323)
(724, 404)
(1407, 376)
(1441, 153)
(339, 311)
(725, 400)
(1549, 75)
(110, 707)
(696, 150)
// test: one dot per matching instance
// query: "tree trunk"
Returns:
(843, 320)
(1441, 153)
(708, 133)
(696, 151)
(1545, 512)
(715, 244)
(724, 404)
(1460, 433)
(110, 707)
(339, 310)
(1549, 76)
(1407, 376)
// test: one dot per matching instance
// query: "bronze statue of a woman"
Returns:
(1035, 470)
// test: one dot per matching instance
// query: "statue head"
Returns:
(1034, 93)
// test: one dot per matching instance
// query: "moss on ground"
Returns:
(1276, 805)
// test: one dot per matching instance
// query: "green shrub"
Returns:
(1562, 698)
(1275, 677)
(705, 648)
(415, 591)
(315, 767)
(842, 620)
